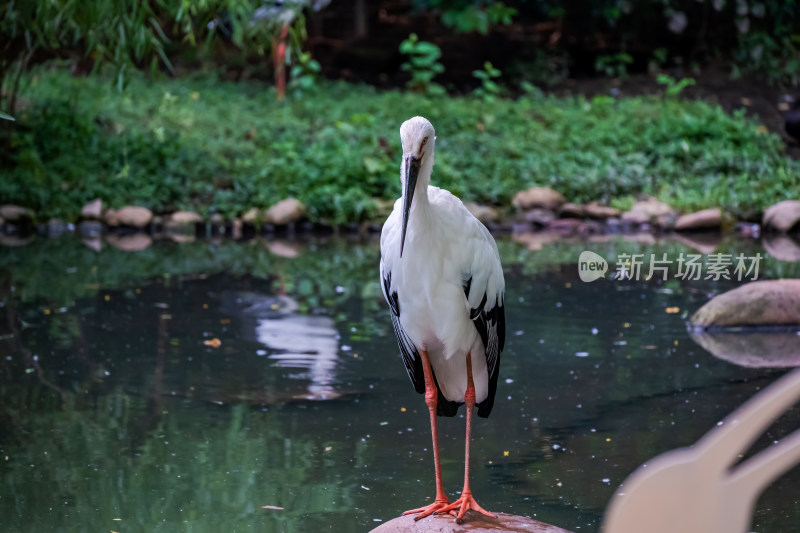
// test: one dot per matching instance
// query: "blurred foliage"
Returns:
(220, 147)
(613, 65)
(674, 87)
(131, 34)
(423, 65)
(466, 16)
(489, 89)
(759, 37)
(304, 73)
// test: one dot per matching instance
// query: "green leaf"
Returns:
(373, 165)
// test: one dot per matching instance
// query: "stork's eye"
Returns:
(423, 142)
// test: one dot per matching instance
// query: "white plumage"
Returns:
(445, 247)
(442, 277)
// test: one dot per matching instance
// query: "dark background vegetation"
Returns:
(148, 103)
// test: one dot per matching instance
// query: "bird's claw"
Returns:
(464, 504)
(438, 506)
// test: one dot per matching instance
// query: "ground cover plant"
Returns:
(202, 144)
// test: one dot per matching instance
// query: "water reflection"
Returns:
(304, 342)
(773, 349)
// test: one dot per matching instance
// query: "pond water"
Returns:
(256, 386)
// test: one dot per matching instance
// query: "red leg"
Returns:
(431, 398)
(467, 501)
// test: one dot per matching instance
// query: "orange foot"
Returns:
(464, 504)
(438, 506)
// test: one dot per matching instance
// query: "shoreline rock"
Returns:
(131, 215)
(705, 219)
(285, 212)
(541, 197)
(93, 210)
(783, 216)
(647, 215)
(651, 211)
(16, 214)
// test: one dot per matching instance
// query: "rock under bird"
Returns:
(442, 278)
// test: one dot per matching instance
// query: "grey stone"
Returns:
(783, 216)
(93, 209)
(756, 304)
(14, 213)
(285, 212)
(543, 197)
(701, 220)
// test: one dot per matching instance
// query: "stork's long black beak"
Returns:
(412, 172)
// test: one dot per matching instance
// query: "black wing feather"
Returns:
(409, 353)
(491, 326)
(411, 358)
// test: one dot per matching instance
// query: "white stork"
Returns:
(445, 292)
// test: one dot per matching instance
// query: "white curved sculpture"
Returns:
(700, 489)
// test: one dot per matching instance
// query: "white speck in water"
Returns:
(606, 480)
(556, 446)
(509, 380)
(339, 289)
(365, 488)
(107, 373)
(720, 423)
(595, 331)
(620, 343)
(520, 332)
(377, 520)
(558, 304)
(346, 348)
(581, 354)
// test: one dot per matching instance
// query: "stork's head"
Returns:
(418, 137)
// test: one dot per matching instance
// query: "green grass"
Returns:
(212, 146)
